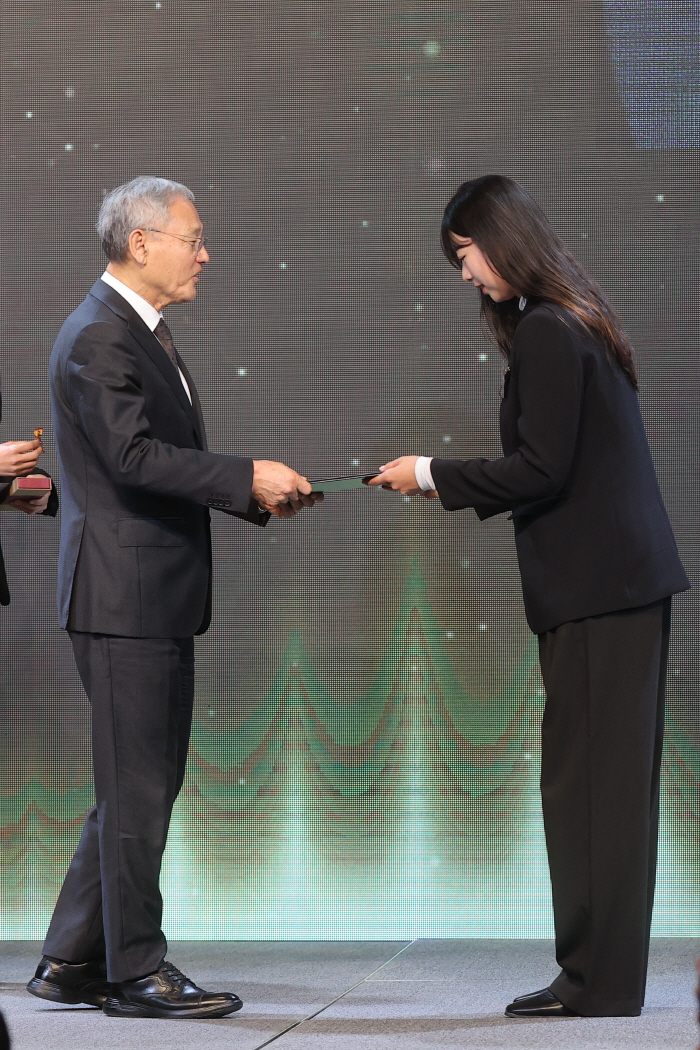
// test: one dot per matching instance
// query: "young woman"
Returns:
(598, 564)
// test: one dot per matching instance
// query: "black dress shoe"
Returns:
(538, 1004)
(71, 983)
(167, 993)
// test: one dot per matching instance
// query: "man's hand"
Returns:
(30, 506)
(400, 476)
(280, 489)
(288, 510)
(18, 458)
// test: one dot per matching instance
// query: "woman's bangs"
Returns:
(448, 245)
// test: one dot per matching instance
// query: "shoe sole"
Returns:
(539, 1013)
(55, 994)
(117, 1008)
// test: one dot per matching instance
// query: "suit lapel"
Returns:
(196, 406)
(149, 342)
(155, 351)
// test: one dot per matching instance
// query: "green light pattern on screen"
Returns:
(379, 819)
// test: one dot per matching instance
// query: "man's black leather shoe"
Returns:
(167, 993)
(538, 1004)
(70, 983)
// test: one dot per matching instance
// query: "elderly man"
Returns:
(134, 587)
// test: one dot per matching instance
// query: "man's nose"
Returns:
(202, 255)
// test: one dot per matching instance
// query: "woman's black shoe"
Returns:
(70, 983)
(538, 1004)
(167, 993)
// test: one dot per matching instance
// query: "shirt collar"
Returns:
(148, 314)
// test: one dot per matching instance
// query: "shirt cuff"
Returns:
(423, 475)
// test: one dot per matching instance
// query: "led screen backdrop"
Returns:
(364, 758)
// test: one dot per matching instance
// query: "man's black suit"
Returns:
(598, 563)
(136, 479)
(134, 587)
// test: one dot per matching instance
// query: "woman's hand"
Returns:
(400, 476)
(19, 458)
(30, 506)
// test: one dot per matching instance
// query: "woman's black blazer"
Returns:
(591, 530)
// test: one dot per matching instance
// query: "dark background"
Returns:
(322, 141)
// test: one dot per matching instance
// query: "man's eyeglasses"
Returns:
(196, 243)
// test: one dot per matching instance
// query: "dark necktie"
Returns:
(164, 337)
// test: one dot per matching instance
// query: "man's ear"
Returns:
(138, 246)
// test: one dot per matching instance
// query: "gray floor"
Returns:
(352, 995)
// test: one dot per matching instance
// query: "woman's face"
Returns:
(477, 269)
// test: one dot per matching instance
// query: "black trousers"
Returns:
(140, 692)
(602, 736)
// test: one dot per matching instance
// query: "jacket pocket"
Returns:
(151, 532)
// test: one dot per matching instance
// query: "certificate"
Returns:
(350, 481)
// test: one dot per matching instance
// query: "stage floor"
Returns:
(357, 995)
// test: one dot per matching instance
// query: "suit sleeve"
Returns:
(255, 515)
(547, 375)
(102, 388)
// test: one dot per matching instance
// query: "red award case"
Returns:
(27, 488)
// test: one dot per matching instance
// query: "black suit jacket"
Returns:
(591, 530)
(51, 511)
(136, 479)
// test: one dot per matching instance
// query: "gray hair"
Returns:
(145, 201)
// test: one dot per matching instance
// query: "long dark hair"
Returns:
(515, 236)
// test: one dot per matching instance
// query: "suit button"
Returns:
(227, 502)
(210, 503)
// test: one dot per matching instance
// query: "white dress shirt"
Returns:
(423, 474)
(148, 314)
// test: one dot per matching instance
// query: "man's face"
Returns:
(173, 260)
